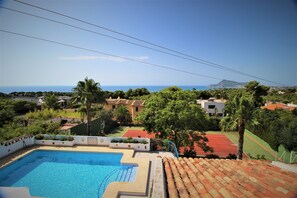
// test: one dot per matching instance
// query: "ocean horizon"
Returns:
(112, 88)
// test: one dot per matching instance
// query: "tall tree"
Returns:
(51, 101)
(122, 115)
(239, 112)
(257, 91)
(87, 92)
(174, 115)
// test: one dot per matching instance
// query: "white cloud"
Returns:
(109, 58)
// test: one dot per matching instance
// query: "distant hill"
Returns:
(228, 84)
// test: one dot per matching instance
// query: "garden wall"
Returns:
(19, 143)
(15, 144)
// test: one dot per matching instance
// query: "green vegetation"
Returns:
(122, 115)
(239, 111)
(105, 117)
(276, 127)
(139, 93)
(128, 140)
(19, 128)
(10, 108)
(282, 95)
(68, 113)
(257, 91)
(53, 137)
(172, 111)
(87, 92)
(176, 116)
(51, 102)
(254, 150)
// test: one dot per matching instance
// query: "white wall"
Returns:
(219, 106)
(5, 150)
(78, 140)
(83, 140)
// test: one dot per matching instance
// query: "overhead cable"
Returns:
(108, 54)
(181, 55)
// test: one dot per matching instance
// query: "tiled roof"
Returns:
(278, 106)
(188, 177)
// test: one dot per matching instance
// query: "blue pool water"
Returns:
(66, 174)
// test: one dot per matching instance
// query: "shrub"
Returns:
(39, 137)
(63, 138)
(126, 141)
(231, 156)
(114, 141)
(143, 142)
(212, 156)
(70, 138)
(165, 144)
(190, 153)
(135, 141)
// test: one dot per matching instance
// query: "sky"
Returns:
(253, 38)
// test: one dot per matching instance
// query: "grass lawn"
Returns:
(68, 113)
(252, 148)
(121, 130)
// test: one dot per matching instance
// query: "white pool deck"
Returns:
(149, 180)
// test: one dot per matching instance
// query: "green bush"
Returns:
(212, 156)
(39, 137)
(190, 153)
(231, 156)
(70, 138)
(143, 142)
(114, 141)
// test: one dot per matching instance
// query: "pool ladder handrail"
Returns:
(175, 152)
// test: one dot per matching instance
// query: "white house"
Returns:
(212, 106)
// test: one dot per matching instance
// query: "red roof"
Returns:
(188, 177)
(277, 106)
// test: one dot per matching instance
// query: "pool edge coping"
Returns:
(114, 189)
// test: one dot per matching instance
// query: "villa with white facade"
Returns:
(213, 106)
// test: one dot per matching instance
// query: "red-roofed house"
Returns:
(272, 107)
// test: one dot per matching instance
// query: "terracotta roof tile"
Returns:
(187, 177)
(278, 106)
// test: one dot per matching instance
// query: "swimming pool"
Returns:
(66, 174)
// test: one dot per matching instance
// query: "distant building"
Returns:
(63, 100)
(274, 106)
(212, 106)
(133, 106)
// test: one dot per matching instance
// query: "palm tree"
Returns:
(239, 112)
(87, 92)
(122, 115)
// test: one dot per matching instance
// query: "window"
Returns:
(136, 109)
(211, 106)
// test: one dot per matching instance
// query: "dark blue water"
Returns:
(105, 88)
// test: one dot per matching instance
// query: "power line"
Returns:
(101, 34)
(98, 33)
(107, 54)
(189, 57)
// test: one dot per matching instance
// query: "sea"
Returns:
(10, 89)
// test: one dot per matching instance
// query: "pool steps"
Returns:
(121, 175)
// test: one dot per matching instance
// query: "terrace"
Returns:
(162, 175)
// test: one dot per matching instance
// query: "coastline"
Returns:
(112, 88)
